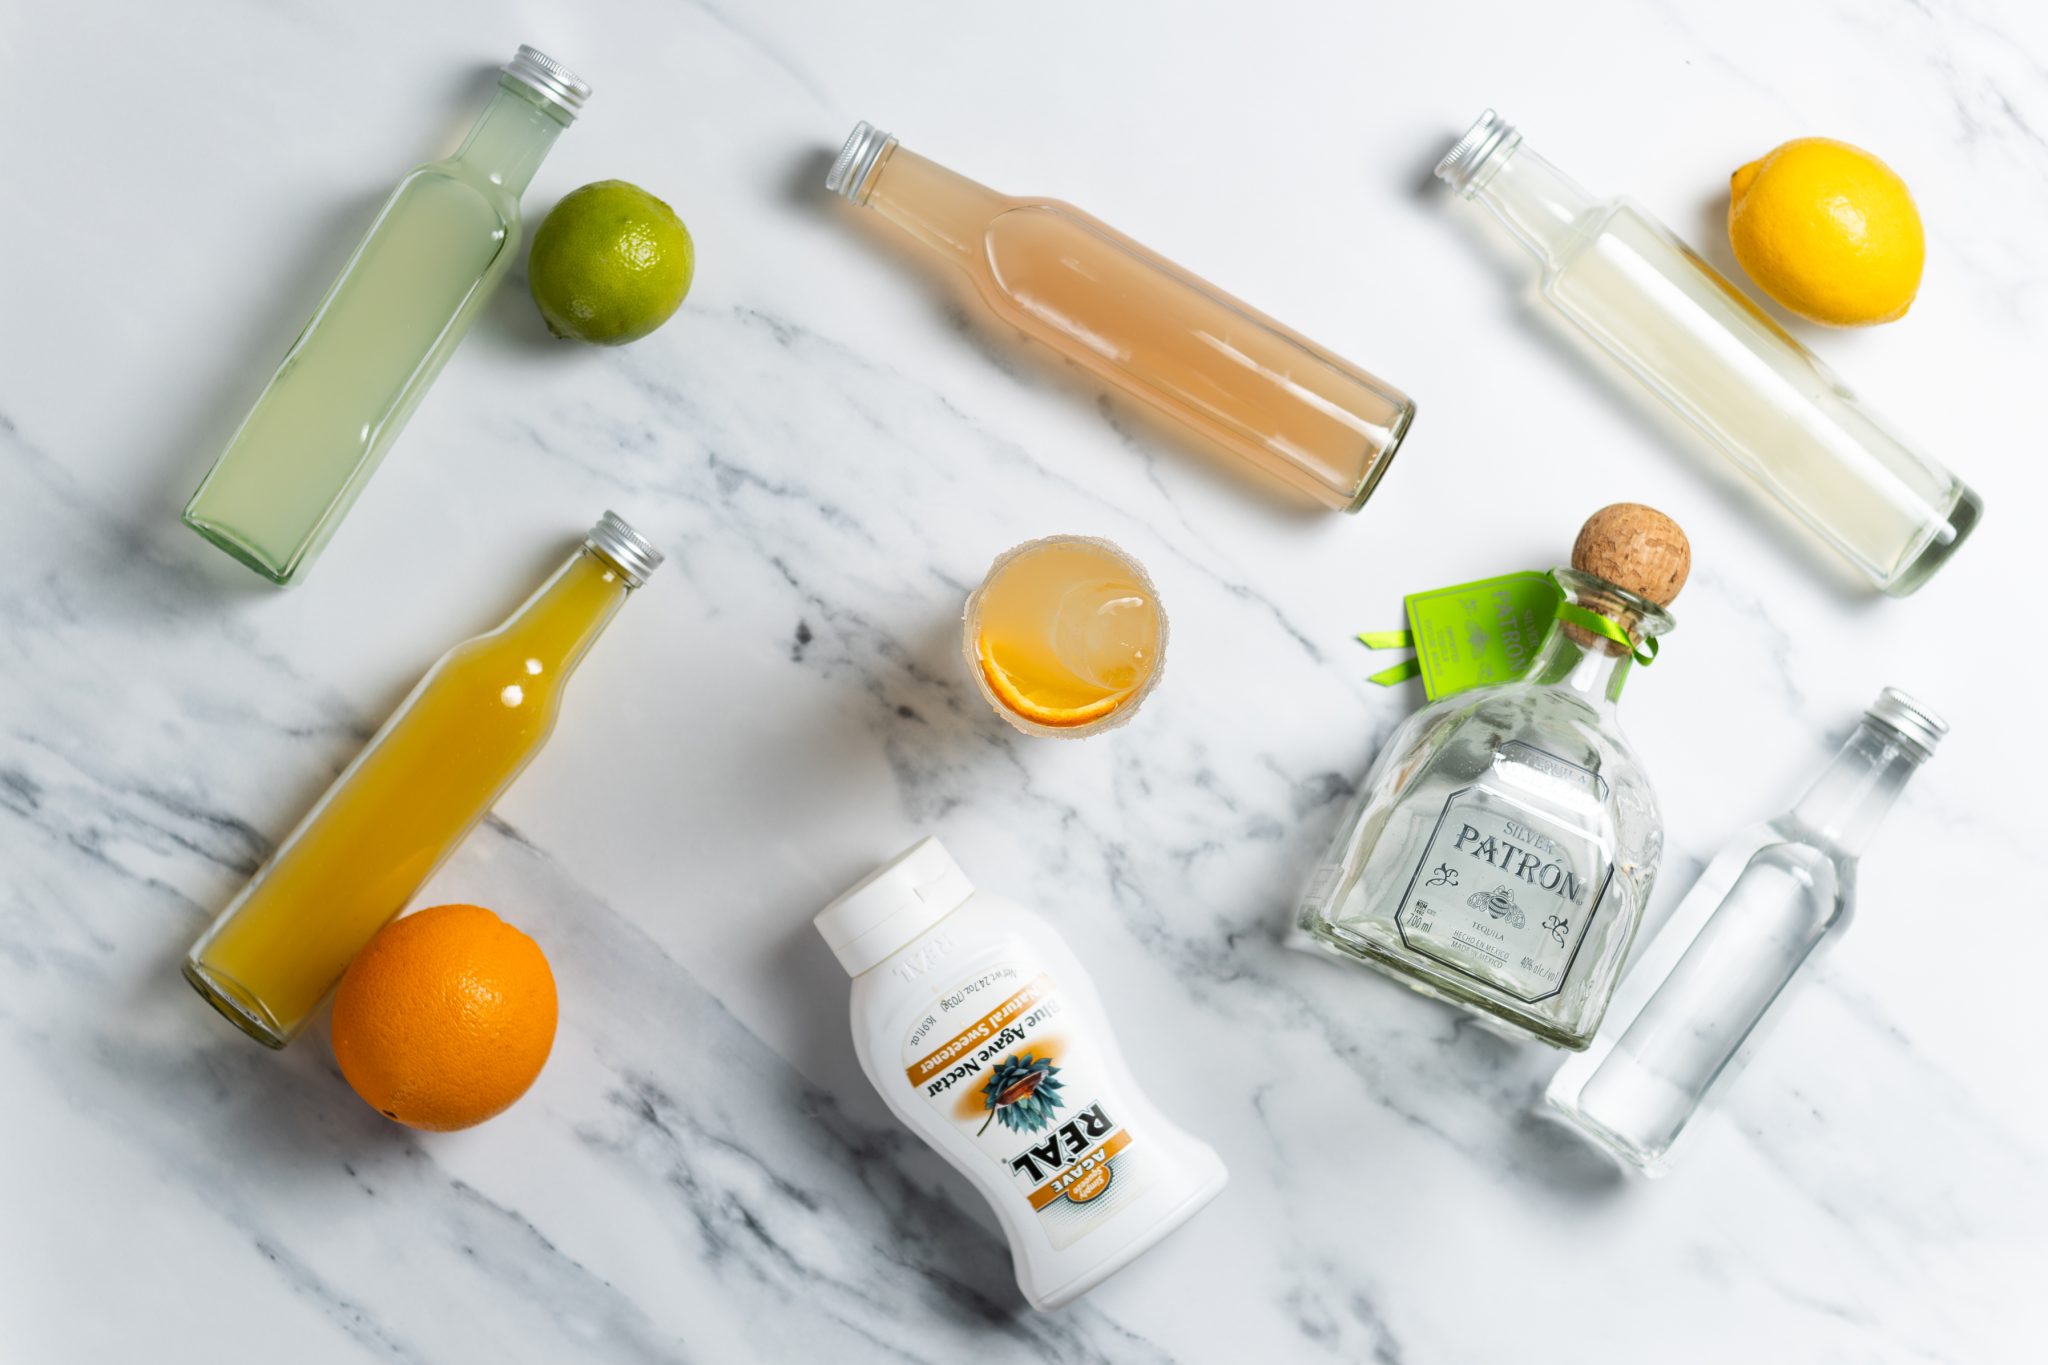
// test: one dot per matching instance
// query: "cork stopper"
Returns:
(1636, 548)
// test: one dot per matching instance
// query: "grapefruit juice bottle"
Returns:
(439, 247)
(1142, 324)
(414, 793)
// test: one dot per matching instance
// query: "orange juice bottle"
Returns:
(1142, 324)
(1065, 636)
(412, 795)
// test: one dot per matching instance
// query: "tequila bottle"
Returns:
(1504, 844)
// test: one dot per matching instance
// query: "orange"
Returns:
(445, 1018)
(1014, 696)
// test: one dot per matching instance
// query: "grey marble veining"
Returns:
(832, 447)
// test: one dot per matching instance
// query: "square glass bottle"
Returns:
(1505, 841)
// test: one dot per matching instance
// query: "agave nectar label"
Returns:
(1501, 894)
(999, 1057)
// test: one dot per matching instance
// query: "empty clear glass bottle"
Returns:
(1696, 342)
(440, 245)
(1505, 841)
(1694, 1004)
(1141, 324)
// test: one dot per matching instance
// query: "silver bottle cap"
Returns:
(631, 553)
(856, 161)
(1910, 720)
(1472, 151)
(549, 79)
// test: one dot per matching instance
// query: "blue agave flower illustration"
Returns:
(1022, 1093)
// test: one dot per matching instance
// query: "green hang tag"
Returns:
(1472, 635)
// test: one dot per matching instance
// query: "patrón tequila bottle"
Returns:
(1503, 847)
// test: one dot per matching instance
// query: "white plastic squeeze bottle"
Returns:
(977, 1025)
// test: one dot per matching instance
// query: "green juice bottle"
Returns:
(443, 241)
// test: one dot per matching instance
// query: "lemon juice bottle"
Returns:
(439, 247)
(413, 794)
(1697, 343)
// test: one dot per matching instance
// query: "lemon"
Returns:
(610, 264)
(1829, 231)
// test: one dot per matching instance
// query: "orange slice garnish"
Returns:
(1024, 705)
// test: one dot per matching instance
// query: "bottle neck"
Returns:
(558, 624)
(510, 141)
(1539, 204)
(944, 210)
(1579, 661)
(1844, 807)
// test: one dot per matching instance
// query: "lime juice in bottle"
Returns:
(443, 241)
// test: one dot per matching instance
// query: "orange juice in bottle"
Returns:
(390, 820)
(1065, 636)
(1232, 375)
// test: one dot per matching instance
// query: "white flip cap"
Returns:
(893, 905)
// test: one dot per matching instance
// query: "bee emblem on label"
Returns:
(1500, 903)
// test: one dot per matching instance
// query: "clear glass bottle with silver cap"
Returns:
(410, 797)
(1235, 377)
(1694, 1004)
(438, 248)
(1710, 355)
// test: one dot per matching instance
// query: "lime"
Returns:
(610, 264)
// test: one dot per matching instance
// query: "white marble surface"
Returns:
(831, 450)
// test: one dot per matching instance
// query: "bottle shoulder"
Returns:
(983, 937)
(1550, 748)
(458, 191)
(1802, 883)
(1030, 243)
(1048, 214)
(1556, 719)
(1619, 213)
(494, 678)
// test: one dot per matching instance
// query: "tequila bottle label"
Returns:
(1505, 890)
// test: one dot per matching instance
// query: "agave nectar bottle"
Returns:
(1506, 840)
(1142, 324)
(376, 342)
(977, 1025)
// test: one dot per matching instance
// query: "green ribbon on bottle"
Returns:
(1484, 633)
(1392, 639)
(1573, 614)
